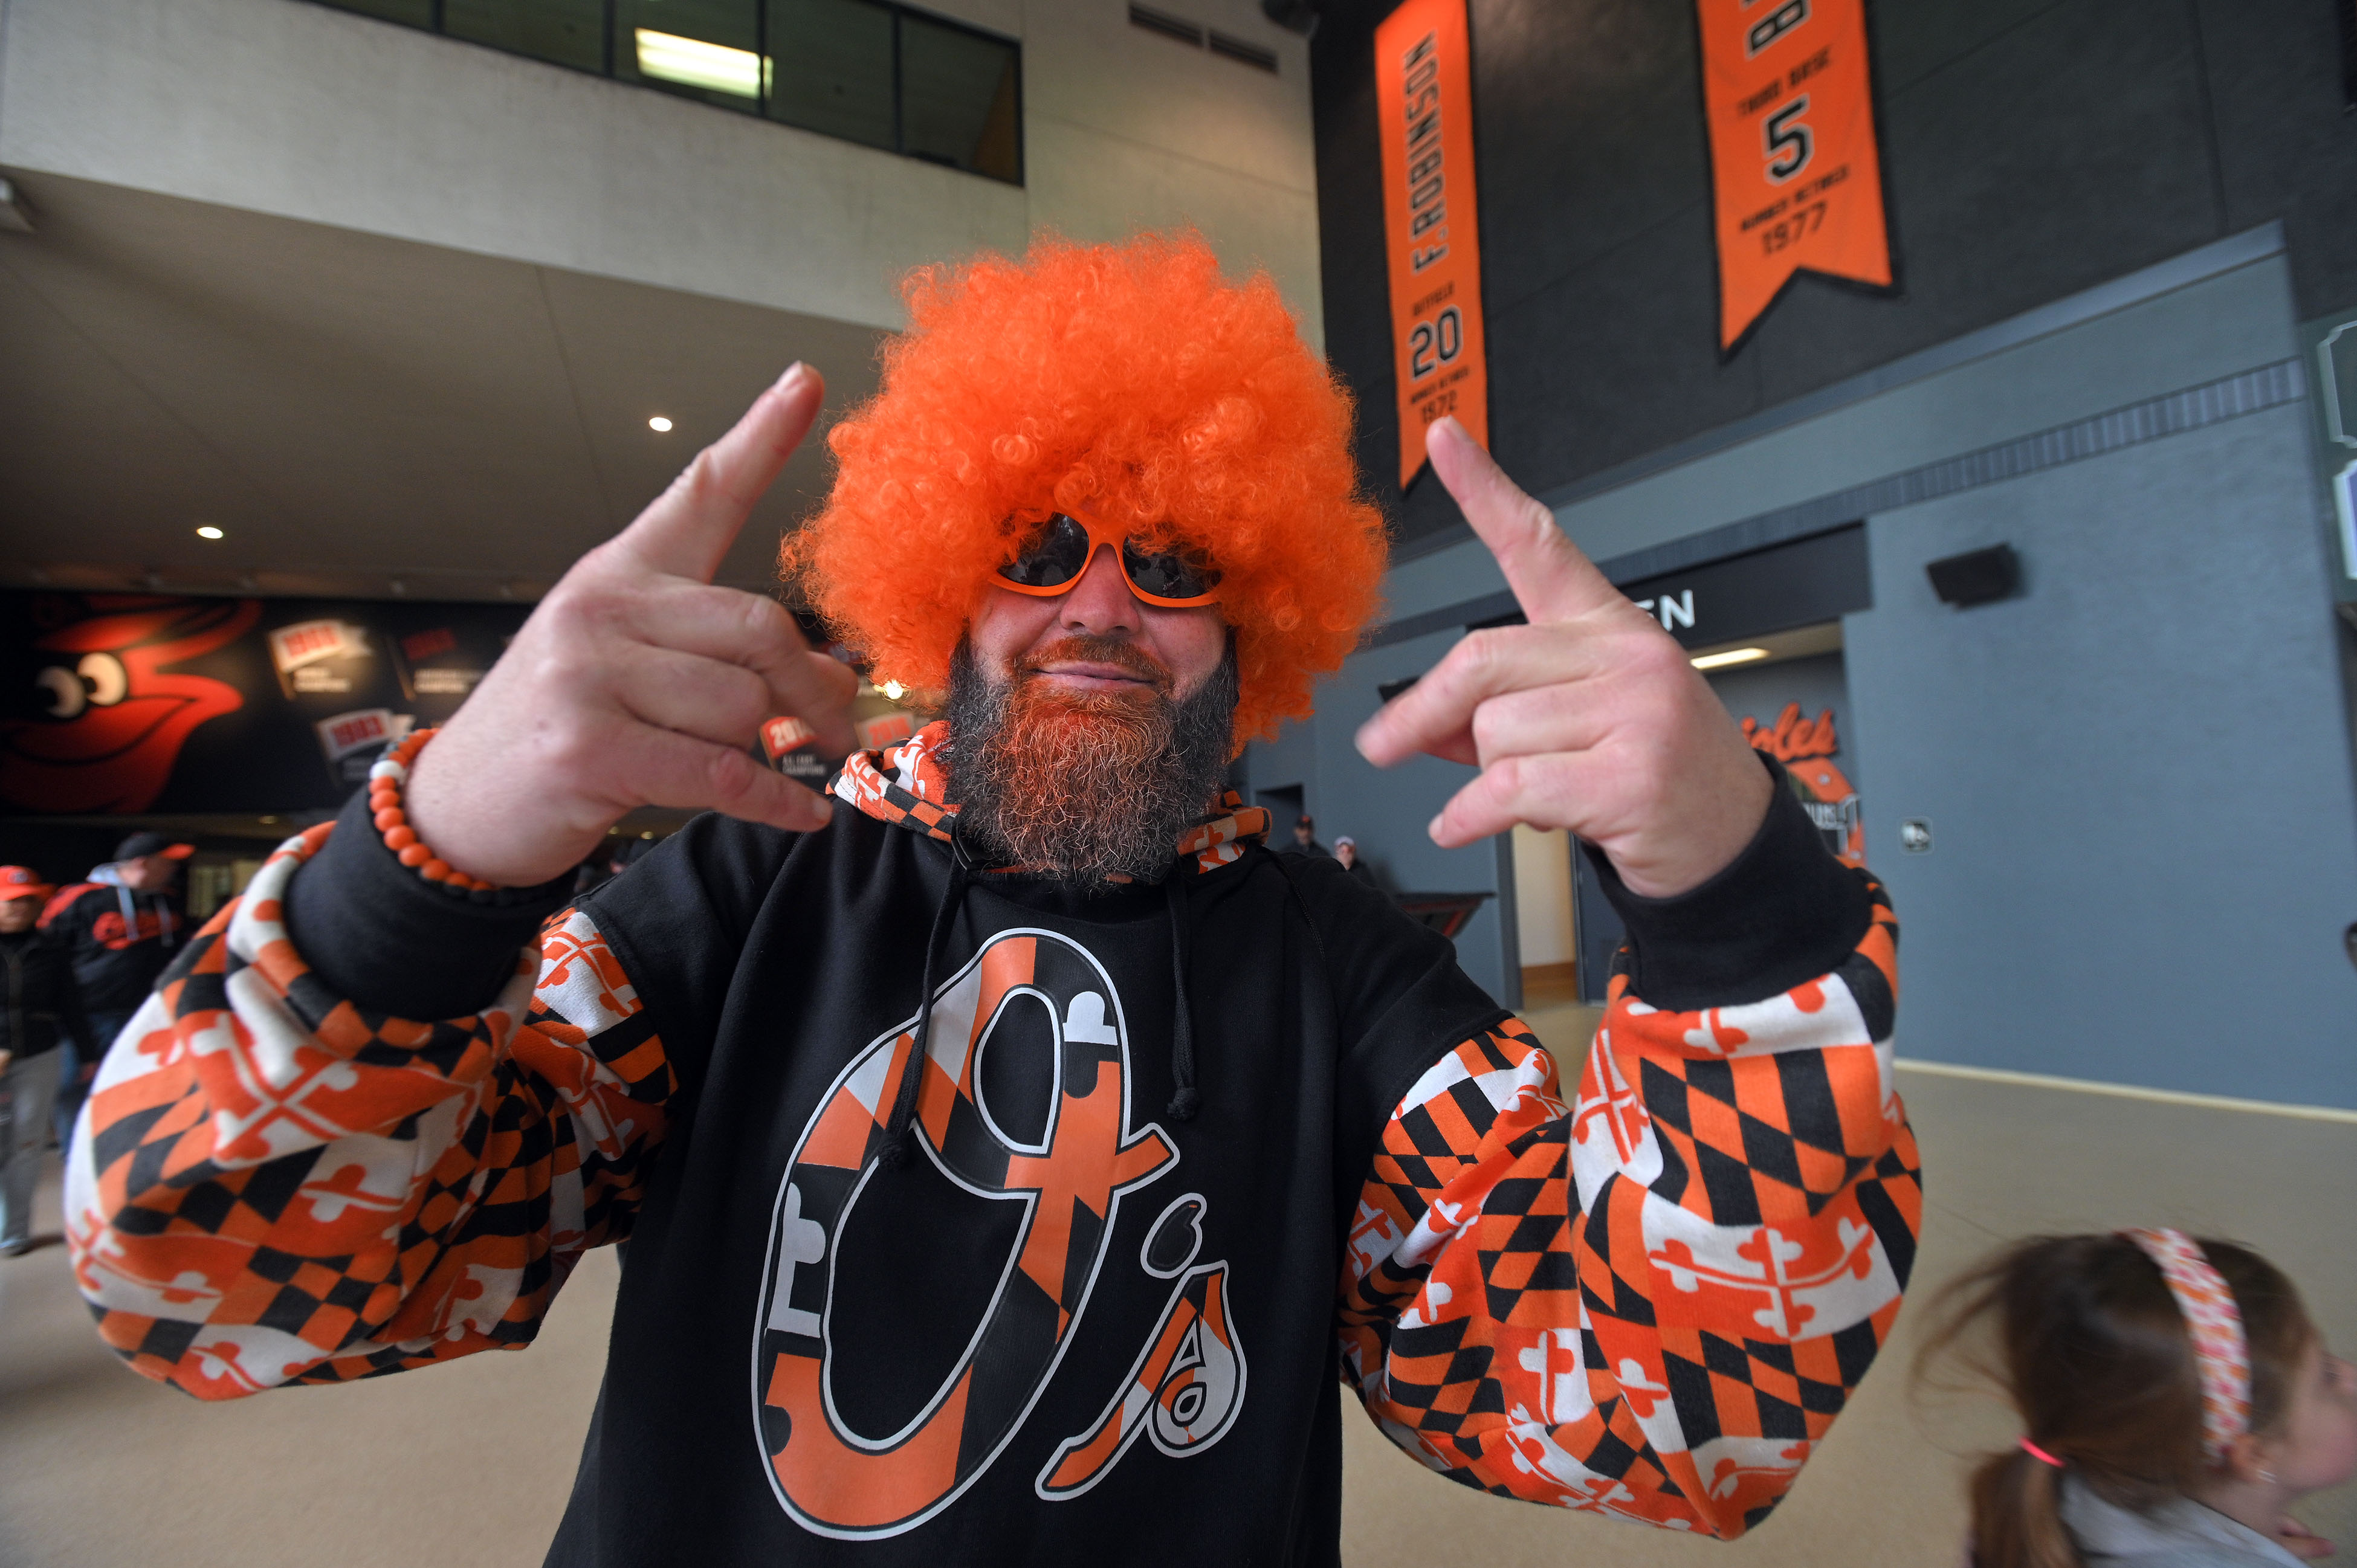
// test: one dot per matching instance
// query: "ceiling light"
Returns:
(1733, 656)
(893, 689)
(692, 62)
(658, 424)
(209, 532)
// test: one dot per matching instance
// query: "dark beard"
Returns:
(1085, 787)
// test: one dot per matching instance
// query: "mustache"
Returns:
(1119, 652)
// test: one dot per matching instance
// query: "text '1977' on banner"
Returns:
(1795, 172)
(1424, 92)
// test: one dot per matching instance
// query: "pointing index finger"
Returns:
(1550, 578)
(687, 529)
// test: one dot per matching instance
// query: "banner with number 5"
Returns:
(1424, 92)
(1796, 174)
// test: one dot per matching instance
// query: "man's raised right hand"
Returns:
(637, 682)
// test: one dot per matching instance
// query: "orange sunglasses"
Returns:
(1054, 557)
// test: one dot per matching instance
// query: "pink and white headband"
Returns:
(2220, 1356)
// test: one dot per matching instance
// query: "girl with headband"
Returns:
(2177, 1400)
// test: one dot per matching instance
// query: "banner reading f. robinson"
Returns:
(1432, 235)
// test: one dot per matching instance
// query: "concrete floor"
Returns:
(469, 1464)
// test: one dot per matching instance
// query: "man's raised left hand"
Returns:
(1588, 718)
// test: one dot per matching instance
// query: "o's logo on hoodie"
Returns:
(877, 1406)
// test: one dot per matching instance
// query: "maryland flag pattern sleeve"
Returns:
(1653, 1301)
(276, 1185)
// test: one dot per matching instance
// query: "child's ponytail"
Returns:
(2093, 1352)
(2017, 1514)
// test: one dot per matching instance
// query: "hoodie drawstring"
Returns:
(899, 1133)
(1185, 1099)
(900, 1130)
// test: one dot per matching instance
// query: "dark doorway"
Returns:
(1285, 809)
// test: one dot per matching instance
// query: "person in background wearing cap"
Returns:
(1304, 839)
(1346, 850)
(41, 1013)
(122, 926)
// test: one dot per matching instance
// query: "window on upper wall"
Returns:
(707, 49)
(567, 32)
(869, 71)
(832, 68)
(960, 101)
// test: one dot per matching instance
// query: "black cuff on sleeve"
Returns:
(1784, 911)
(379, 934)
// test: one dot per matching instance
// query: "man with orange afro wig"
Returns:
(1060, 384)
(1011, 1147)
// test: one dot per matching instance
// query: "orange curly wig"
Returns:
(1124, 381)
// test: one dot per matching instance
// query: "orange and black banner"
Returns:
(1795, 171)
(1424, 92)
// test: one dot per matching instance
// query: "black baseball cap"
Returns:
(141, 844)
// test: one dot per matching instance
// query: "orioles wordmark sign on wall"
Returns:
(1796, 175)
(1424, 92)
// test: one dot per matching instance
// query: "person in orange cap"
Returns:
(1011, 1147)
(41, 1017)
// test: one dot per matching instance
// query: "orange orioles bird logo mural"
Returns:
(1064, 1183)
(110, 716)
(1806, 749)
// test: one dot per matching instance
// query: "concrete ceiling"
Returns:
(362, 416)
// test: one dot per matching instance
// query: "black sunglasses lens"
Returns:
(1054, 556)
(1166, 576)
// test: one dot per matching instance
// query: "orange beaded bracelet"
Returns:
(386, 781)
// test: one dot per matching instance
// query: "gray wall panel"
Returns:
(2232, 322)
(1597, 98)
(1288, 760)
(1585, 385)
(1912, 40)
(2136, 773)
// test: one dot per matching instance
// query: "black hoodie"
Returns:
(1055, 1307)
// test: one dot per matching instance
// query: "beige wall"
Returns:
(293, 109)
(1126, 129)
(1543, 895)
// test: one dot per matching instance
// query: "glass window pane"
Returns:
(569, 32)
(958, 99)
(831, 68)
(707, 49)
(415, 13)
